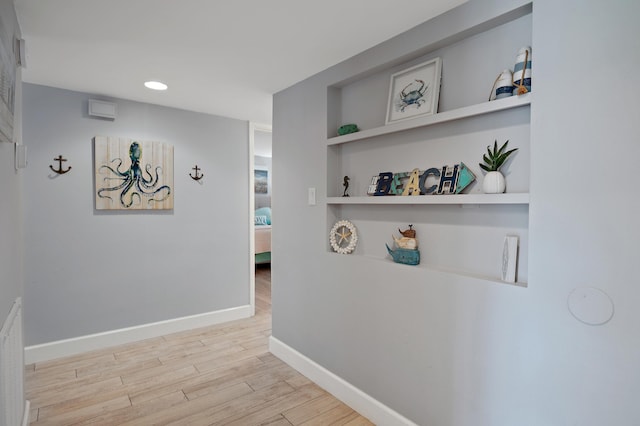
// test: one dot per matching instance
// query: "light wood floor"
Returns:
(219, 375)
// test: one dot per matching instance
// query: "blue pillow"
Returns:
(261, 220)
(264, 211)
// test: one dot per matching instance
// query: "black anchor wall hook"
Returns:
(59, 171)
(197, 176)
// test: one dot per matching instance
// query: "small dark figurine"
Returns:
(346, 186)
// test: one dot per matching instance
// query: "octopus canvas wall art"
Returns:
(132, 174)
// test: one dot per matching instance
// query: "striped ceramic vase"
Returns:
(504, 85)
(522, 81)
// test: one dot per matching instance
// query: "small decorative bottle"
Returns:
(504, 85)
(522, 72)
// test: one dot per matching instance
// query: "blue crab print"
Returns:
(412, 94)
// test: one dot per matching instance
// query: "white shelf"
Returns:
(456, 114)
(422, 266)
(509, 198)
(467, 274)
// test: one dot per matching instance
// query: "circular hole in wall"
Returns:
(590, 305)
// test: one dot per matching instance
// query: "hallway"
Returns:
(218, 375)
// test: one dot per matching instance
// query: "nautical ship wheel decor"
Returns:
(343, 237)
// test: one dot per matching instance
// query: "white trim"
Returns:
(27, 413)
(253, 127)
(364, 404)
(252, 219)
(91, 342)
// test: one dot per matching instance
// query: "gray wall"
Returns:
(89, 271)
(443, 349)
(11, 244)
(584, 231)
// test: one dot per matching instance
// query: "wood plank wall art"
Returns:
(133, 174)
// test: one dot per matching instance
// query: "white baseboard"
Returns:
(364, 404)
(91, 342)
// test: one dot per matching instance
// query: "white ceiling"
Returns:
(223, 57)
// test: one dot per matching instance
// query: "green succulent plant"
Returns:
(496, 158)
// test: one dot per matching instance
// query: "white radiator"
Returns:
(13, 407)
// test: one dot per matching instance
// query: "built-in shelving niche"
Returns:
(464, 239)
(459, 234)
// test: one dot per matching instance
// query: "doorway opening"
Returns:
(260, 154)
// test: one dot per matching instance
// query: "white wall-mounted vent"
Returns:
(102, 109)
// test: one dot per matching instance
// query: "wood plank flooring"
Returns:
(219, 375)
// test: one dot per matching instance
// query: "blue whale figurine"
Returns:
(406, 256)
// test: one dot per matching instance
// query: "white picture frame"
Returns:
(414, 92)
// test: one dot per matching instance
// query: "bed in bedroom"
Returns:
(263, 235)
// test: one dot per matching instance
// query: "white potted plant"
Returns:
(494, 182)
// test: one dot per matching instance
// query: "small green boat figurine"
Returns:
(347, 128)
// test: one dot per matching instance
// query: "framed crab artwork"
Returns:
(414, 92)
(132, 174)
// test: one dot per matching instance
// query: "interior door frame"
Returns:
(253, 128)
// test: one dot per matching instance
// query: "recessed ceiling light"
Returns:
(155, 85)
